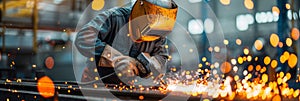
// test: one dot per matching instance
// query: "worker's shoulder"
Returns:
(119, 11)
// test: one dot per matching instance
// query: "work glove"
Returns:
(126, 66)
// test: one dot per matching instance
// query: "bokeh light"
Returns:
(250, 68)
(264, 78)
(246, 51)
(276, 98)
(226, 42)
(274, 63)
(225, 2)
(267, 60)
(258, 44)
(275, 10)
(289, 42)
(274, 40)
(98, 4)
(249, 4)
(141, 97)
(226, 67)
(287, 6)
(217, 49)
(46, 87)
(238, 41)
(240, 60)
(292, 61)
(295, 33)
(257, 68)
(49, 62)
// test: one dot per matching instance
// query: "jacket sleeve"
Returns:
(160, 55)
(89, 39)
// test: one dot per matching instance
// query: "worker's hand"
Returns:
(126, 67)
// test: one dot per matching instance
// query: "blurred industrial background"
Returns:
(36, 36)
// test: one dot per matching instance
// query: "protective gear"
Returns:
(124, 65)
(151, 19)
(103, 31)
(151, 66)
(162, 3)
(127, 66)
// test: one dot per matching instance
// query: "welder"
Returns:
(137, 50)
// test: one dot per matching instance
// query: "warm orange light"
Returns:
(280, 44)
(148, 38)
(288, 76)
(210, 49)
(49, 62)
(200, 65)
(287, 6)
(236, 78)
(281, 74)
(226, 67)
(225, 2)
(275, 10)
(289, 42)
(282, 59)
(240, 60)
(264, 69)
(249, 58)
(274, 40)
(238, 41)
(232, 96)
(46, 87)
(98, 4)
(206, 100)
(249, 4)
(296, 93)
(258, 44)
(292, 61)
(256, 58)
(274, 63)
(295, 33)
(279, 81)
(246, 51)
(141, 97)
(276, 98)
(286, 54)
(249, 76)
(257, 68)
(204, 59)
(267, 60)
(244, 58)
(226, 42)
(250, 68)
(264, 78)
(217, 49)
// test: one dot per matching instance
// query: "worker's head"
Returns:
(152, 19)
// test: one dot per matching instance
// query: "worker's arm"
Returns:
(88, 39)
(156, 60)
(91, 41)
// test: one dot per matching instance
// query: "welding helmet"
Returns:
(151, 19)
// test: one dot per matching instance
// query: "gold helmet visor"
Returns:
(149, 22)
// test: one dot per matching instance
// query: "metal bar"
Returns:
(73, 7)
(4, 8)
(3, 38)
(292, 9)
(35, 25)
